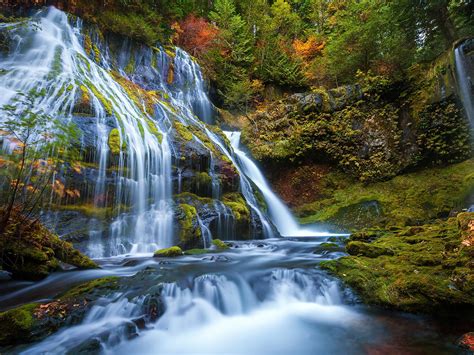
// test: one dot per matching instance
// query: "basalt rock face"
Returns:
(147, 142)
(370, 132)
(370, 139)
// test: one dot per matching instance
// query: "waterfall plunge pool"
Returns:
(258, 297)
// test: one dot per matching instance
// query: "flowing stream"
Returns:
(259, 297)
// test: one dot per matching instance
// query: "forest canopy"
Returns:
(246, 45)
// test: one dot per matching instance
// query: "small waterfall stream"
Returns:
(280, 215)
(464, 71)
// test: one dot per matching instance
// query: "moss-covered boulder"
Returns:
(114, 142)
(169, 252)
(219, 244)
(189, 230)
(30, 251)
(414, 269)
(16, 324)
(34, 321)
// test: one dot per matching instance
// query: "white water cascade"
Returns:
(49, 55)
(275, 311)
(465, 81)
(280, 215)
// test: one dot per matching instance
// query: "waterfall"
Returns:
(49, 56)
(464, 70)
(82, 79)
(280, 214)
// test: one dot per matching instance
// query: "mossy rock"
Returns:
(16, 324)
(408, 199)
(183, 131)
(34, 321)
(328, 247)
(189, 231)
(415, 268)
(169, 252)
(33, 252)
(88, 289)
(219, 244)
(83, 105)
(114, 142)
(238, 205)
(368, 250)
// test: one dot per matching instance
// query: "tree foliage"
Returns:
(295, 43)
(34, 146)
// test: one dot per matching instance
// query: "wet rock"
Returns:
(327, 247)
(368, 250)
(219, 244)
(169, 252)
(33, 252)
(219, 258)
(425, 272)
(140, 323)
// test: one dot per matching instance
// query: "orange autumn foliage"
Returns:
(308, 49)
(194, 34)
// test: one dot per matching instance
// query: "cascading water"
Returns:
(69, 63)
(464, 71)
(49, 57)
(280, 215)
(259, 297)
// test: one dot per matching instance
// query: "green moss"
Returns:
(169, 252)
(411, 268)
(96, 53)
(16, 324)
(32, 252)
(154, 130)
(403, 200)
(443, 134)
(203, 178)
(92, 211)
(188, 196)
(183, 131)
(57, 66)
(87, 44)
(196, 251)
(115, 144)
(368, 250)
(143, 99)
(189, 233)
(219, 244)
(141, 129)
(130, 68)
(105, 102)
(237, 204)
(82, 290)
(189, 214)
(327, 247)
